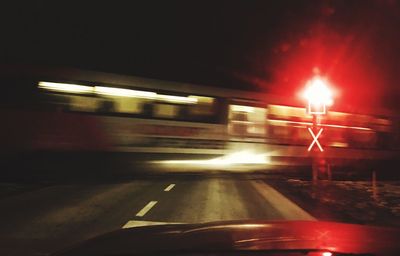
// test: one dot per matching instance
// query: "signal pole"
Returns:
(318, 98)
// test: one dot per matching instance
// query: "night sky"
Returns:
(271, 46)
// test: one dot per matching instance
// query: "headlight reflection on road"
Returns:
(242, 157)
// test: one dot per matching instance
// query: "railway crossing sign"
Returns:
(319, 97)
(315, 139)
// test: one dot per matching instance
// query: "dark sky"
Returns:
(271, 46)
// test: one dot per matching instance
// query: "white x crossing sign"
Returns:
(315, 139)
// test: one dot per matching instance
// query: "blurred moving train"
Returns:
(68, 110)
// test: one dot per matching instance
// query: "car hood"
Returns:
(243, 235)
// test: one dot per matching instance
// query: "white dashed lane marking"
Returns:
(145, 209)
(138, 223)
(171, 186)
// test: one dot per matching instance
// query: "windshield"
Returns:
(117, 115)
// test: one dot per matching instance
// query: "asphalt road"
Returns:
(54, 217)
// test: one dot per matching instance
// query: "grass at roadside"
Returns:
(346, 201)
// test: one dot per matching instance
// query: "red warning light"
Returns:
(318, 96)
(319, 254)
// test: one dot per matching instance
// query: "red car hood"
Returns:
(244, 235)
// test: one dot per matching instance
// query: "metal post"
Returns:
(329, 170)
(314, 159)
(319, 97)
(374, 192)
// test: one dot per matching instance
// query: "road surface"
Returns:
(50, 218)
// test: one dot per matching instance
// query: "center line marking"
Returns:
(171, 186)
(145, 209)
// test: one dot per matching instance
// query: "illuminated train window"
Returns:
(247, 120)
(166, 111)
(130, 102)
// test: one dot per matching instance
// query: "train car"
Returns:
(81, 112)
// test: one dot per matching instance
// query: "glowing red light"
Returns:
(319, 254)
(318, 95)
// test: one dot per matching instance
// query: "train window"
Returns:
(68, 102)
(123, 105)
(56, 101)
(166, 111)
(106, 106)
(287, 113)
(257, 119)
(336, 137)
(382, 125)
(203, 107)
(247, 120)
(83, 103)
(339, 118)
(360, 120)
(126, 102)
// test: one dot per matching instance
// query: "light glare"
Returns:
(240, 108)
(123, 92)
(119, 92)
(176, 99)
(317, 92)
(65, 87)
(242, 157)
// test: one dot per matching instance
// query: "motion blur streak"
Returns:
(323, 125)
(242, 157)
(240, 108)
(176, 99)
(253, 225)
(65, 87)
(123, 92)
(110, 91)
